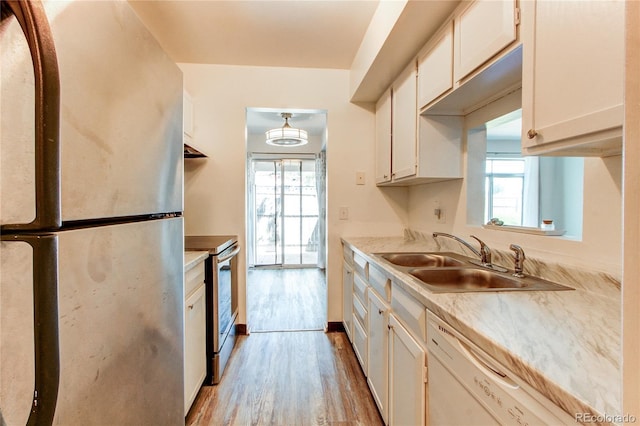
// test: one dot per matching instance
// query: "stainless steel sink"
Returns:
(415, 260)
(448, 272)
(473, 279)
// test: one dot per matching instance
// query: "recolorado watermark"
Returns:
(605, 418)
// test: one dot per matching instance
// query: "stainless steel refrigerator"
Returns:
(91, 296)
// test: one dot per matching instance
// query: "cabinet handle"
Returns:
(190, 306)
(390, 327)
(380, 311)
(532, 134)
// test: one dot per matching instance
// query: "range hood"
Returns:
(191, 152)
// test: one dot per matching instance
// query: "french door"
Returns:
(286, 212)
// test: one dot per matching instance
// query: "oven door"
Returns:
(225, 303)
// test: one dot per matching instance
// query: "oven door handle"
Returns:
(230, 255)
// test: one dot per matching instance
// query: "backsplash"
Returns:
(597, 282)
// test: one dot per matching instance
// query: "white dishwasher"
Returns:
(468, 387)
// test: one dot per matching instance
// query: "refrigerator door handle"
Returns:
(35, 26)
(45, 324)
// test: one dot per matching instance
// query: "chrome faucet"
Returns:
(460, 240)
(484, 254)
(518, 261)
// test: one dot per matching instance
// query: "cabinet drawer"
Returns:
(347, 254)
(360, 289)
(360, 312)
(193, 278)
(380, 283)
(360, 265)
(360, 343)
(411, 312)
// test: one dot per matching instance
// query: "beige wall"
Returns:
(215, 187)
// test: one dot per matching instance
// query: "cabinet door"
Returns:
(404, 113)
(383, 138)
(572, 82)
(378, 352)
(195, 364)
(187, 117)
(360, 342)
(435, 68)
(481, 31)
(407, 378)
(347, 298)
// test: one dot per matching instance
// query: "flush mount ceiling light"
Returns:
(286, 135)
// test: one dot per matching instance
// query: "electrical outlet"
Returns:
(344, 213)
(359, 178)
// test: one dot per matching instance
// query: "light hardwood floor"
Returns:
(286, 299)
(288, 377)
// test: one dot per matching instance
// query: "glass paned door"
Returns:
(286, 212)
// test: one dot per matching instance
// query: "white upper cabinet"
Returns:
(435, 67)
(383, 138)
(191, 150)
(404, 116)
(572, 83)
(187, 117)
(482, 30)
(473, 59)
(413, 153)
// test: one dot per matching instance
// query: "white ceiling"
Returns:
(274, 33)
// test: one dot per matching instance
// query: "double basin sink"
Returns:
(444, 272)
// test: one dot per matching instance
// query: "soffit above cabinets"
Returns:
(389, 46)
(301, 34)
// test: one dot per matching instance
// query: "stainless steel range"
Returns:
(221, 287)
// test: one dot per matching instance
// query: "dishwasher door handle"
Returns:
(490, 370)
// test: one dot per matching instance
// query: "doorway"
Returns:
(286, 248)
(286, 213)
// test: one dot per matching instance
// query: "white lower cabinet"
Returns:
(407, 377)
(360, 343)
(347, 298)
(387, 332)
(378, 378)
(195, 363)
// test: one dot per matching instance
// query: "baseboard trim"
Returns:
(335, 327)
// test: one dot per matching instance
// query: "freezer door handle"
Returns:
(45, 324)
(35, 26)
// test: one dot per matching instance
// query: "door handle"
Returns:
(33, 21)
(45, 325)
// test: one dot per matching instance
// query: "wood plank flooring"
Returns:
(286, 299)
(288, 378)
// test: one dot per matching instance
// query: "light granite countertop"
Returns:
(192, 258)
(565, 344)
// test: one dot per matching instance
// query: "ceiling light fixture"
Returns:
(286, 135)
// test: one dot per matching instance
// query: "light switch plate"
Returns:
(344, 213)
(359, 178)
